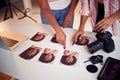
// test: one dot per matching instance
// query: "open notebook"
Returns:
(10, 40)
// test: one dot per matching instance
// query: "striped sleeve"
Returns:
(84, 7)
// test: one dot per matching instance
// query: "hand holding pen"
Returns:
(75, 40)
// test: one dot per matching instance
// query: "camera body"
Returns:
(104, 41)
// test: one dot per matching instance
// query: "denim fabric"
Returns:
(59, 15)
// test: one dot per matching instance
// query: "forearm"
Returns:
(45, 8)
(116, 15)
(72, 6)
(82, 22)
(51, 19)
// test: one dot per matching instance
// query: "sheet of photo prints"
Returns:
(34, 50)
(31, 52)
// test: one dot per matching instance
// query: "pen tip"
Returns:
(73, 43)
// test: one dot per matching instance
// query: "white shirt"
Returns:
(58, 4)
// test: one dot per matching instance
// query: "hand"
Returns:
(102, 25)
(48, 57)
(66, 52)
(69, 59)
(67, 21)
(61, 38)
(46, 50)
(75, 36)
(34, 50)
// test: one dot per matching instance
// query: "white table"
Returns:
(12, 64)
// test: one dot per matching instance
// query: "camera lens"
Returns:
(95, 46)
(109, 45)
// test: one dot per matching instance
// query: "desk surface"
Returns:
(12, 64)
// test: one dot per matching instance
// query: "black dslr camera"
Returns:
(104, 41)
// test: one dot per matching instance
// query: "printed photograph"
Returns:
(69, 58)
(39, 36)
(48, 55)
(30, 52)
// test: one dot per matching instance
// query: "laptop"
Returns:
(10, 40)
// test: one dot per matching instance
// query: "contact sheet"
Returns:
(49, 55)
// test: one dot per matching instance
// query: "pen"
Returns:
(73, 43)
(77, 39)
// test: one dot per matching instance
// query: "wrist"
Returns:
(81, 29)
(116, 15)
(58, 29)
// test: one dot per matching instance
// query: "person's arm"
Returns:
(102, 25)
(84, 16)
(70, 13)
(45, 8)
(82, 23)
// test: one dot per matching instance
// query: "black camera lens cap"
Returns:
(92, 68)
